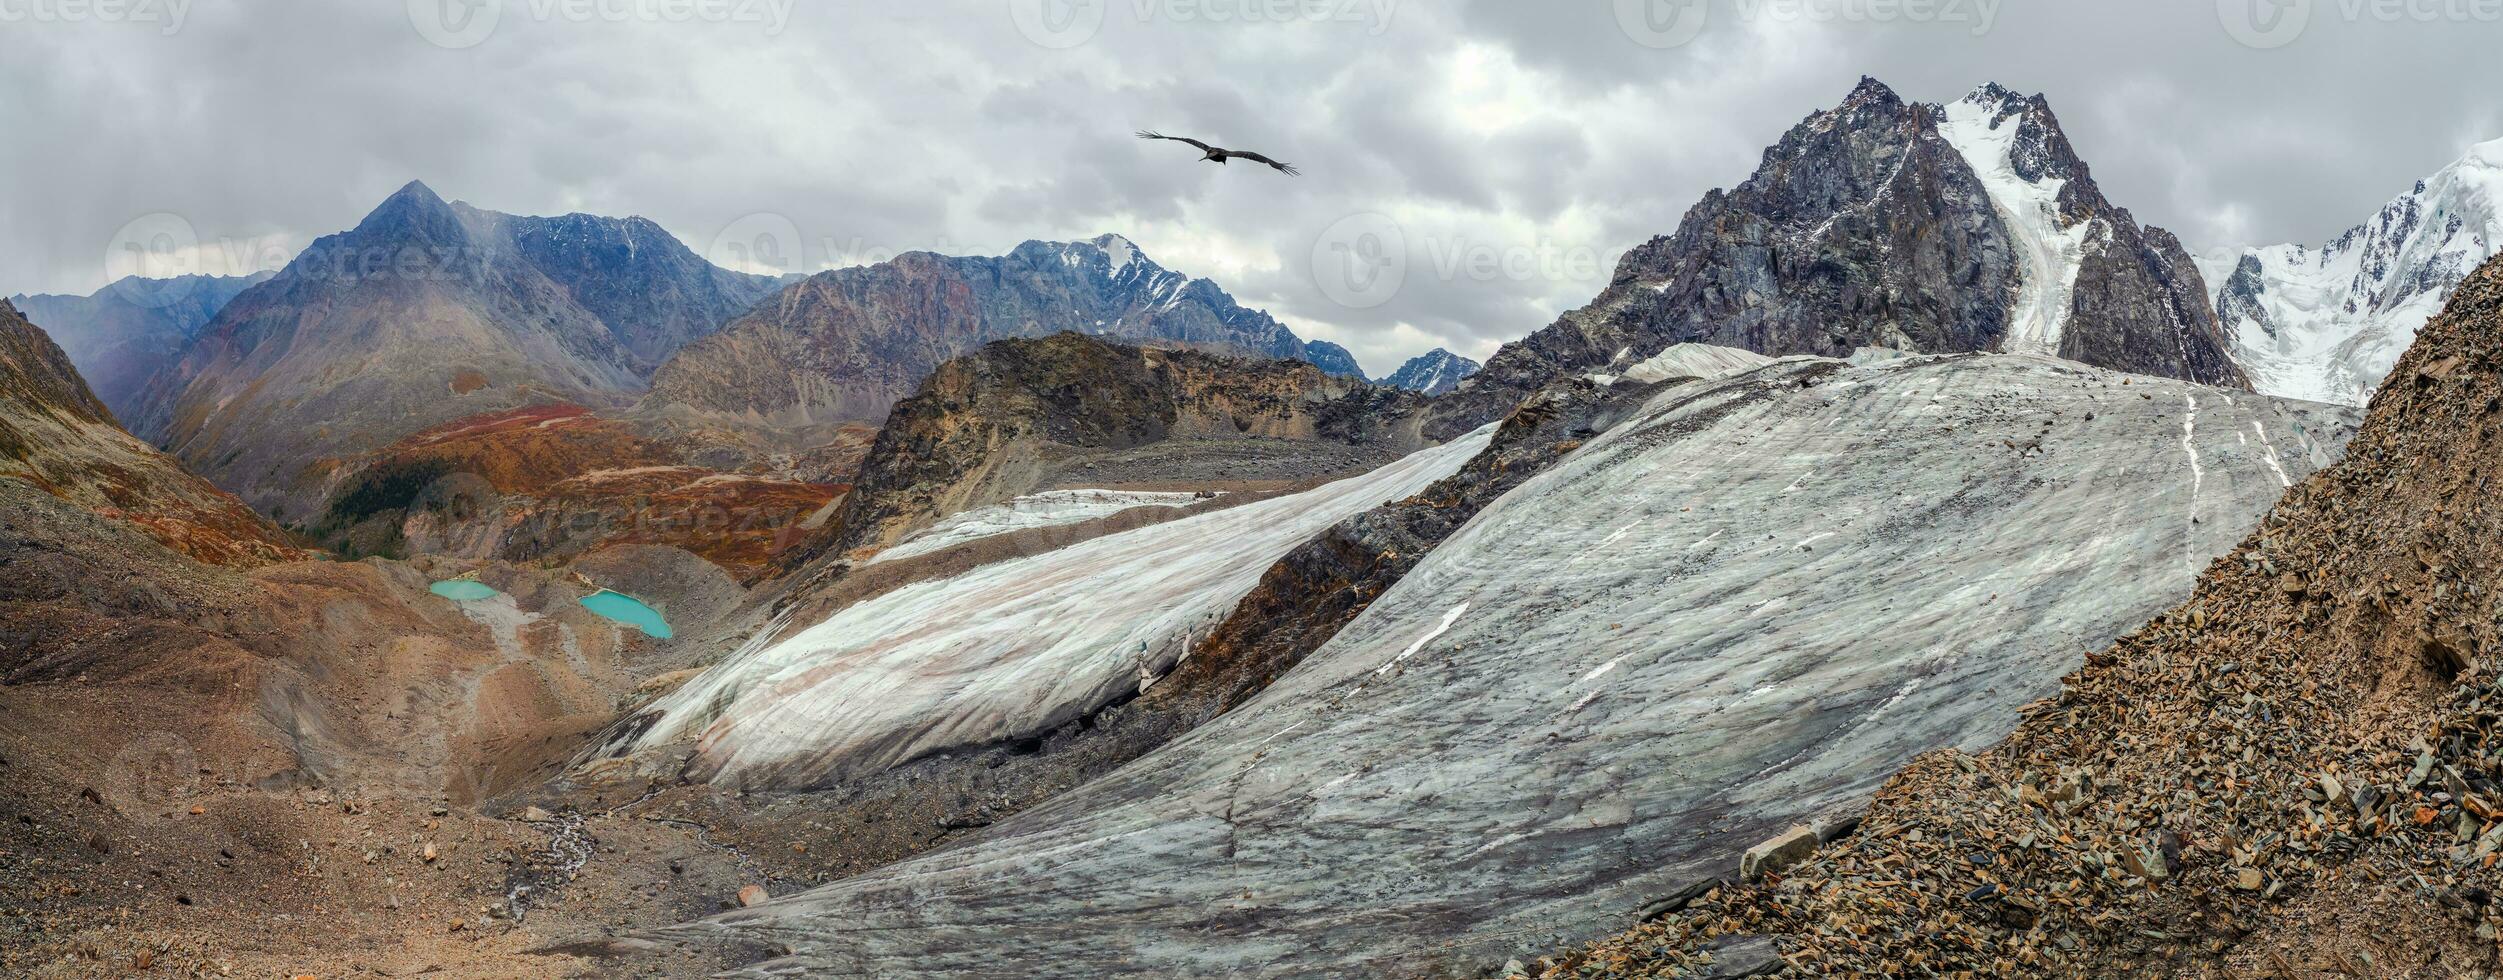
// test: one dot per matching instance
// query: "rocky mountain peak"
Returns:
(1880, 223)
(414, 214)
(1433, 373)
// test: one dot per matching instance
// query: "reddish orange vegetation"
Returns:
(526, 450)
(566, 464)
(467, 380)
(737, 522)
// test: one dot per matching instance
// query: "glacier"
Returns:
(1741, 608)
(1005, 651)
(1049, 508)
(2327, 323)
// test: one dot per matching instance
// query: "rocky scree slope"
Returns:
(57, 437)
(123, 334)
(1973, 226)
(2296, 771)
(847, 344)
(424, 313)
(1608, 681)
(2327, 323)
(1022, 415)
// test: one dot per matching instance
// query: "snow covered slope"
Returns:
(1008, 650)
(1744, 607)
(2327, 323)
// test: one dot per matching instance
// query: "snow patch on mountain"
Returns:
(1984, 128)
(2327, 323)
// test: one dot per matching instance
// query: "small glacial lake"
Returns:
(463, 590)
(628, 610)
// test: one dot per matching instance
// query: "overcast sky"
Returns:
(1481, 163)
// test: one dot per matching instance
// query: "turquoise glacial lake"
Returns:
(463, 590)
(628, 610)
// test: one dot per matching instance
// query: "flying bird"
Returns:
(1219, 155)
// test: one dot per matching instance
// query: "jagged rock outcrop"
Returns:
(849, 343)
(1434, 372)
(2296, 765)
(1885, 223)
(2327, 323)
(125, 333)
(56, 436)
(1598, 691)
(424, 313)
(1022, 415)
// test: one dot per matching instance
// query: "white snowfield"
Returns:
(2051, 253)
(2344, 312)
(1743, 607)
(1050, 508)
(1006, 651)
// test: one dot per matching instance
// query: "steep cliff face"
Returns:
(1021, 415)
(125, 333)
(847, 344)
(1884, 223)
(57, 436)
(424, 313)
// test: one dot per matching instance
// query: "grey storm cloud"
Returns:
(1510, 150)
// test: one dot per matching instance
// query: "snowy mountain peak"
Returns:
(1118, 252)
(2327, 323)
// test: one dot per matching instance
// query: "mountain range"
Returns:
(122, 335)
(847, 344)
(422, 314)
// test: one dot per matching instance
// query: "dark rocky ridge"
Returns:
(424, 313)
(849, 343)
(1865, 227)
(1015, 415)
(123, 334)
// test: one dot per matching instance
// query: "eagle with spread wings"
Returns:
(1218, 154)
